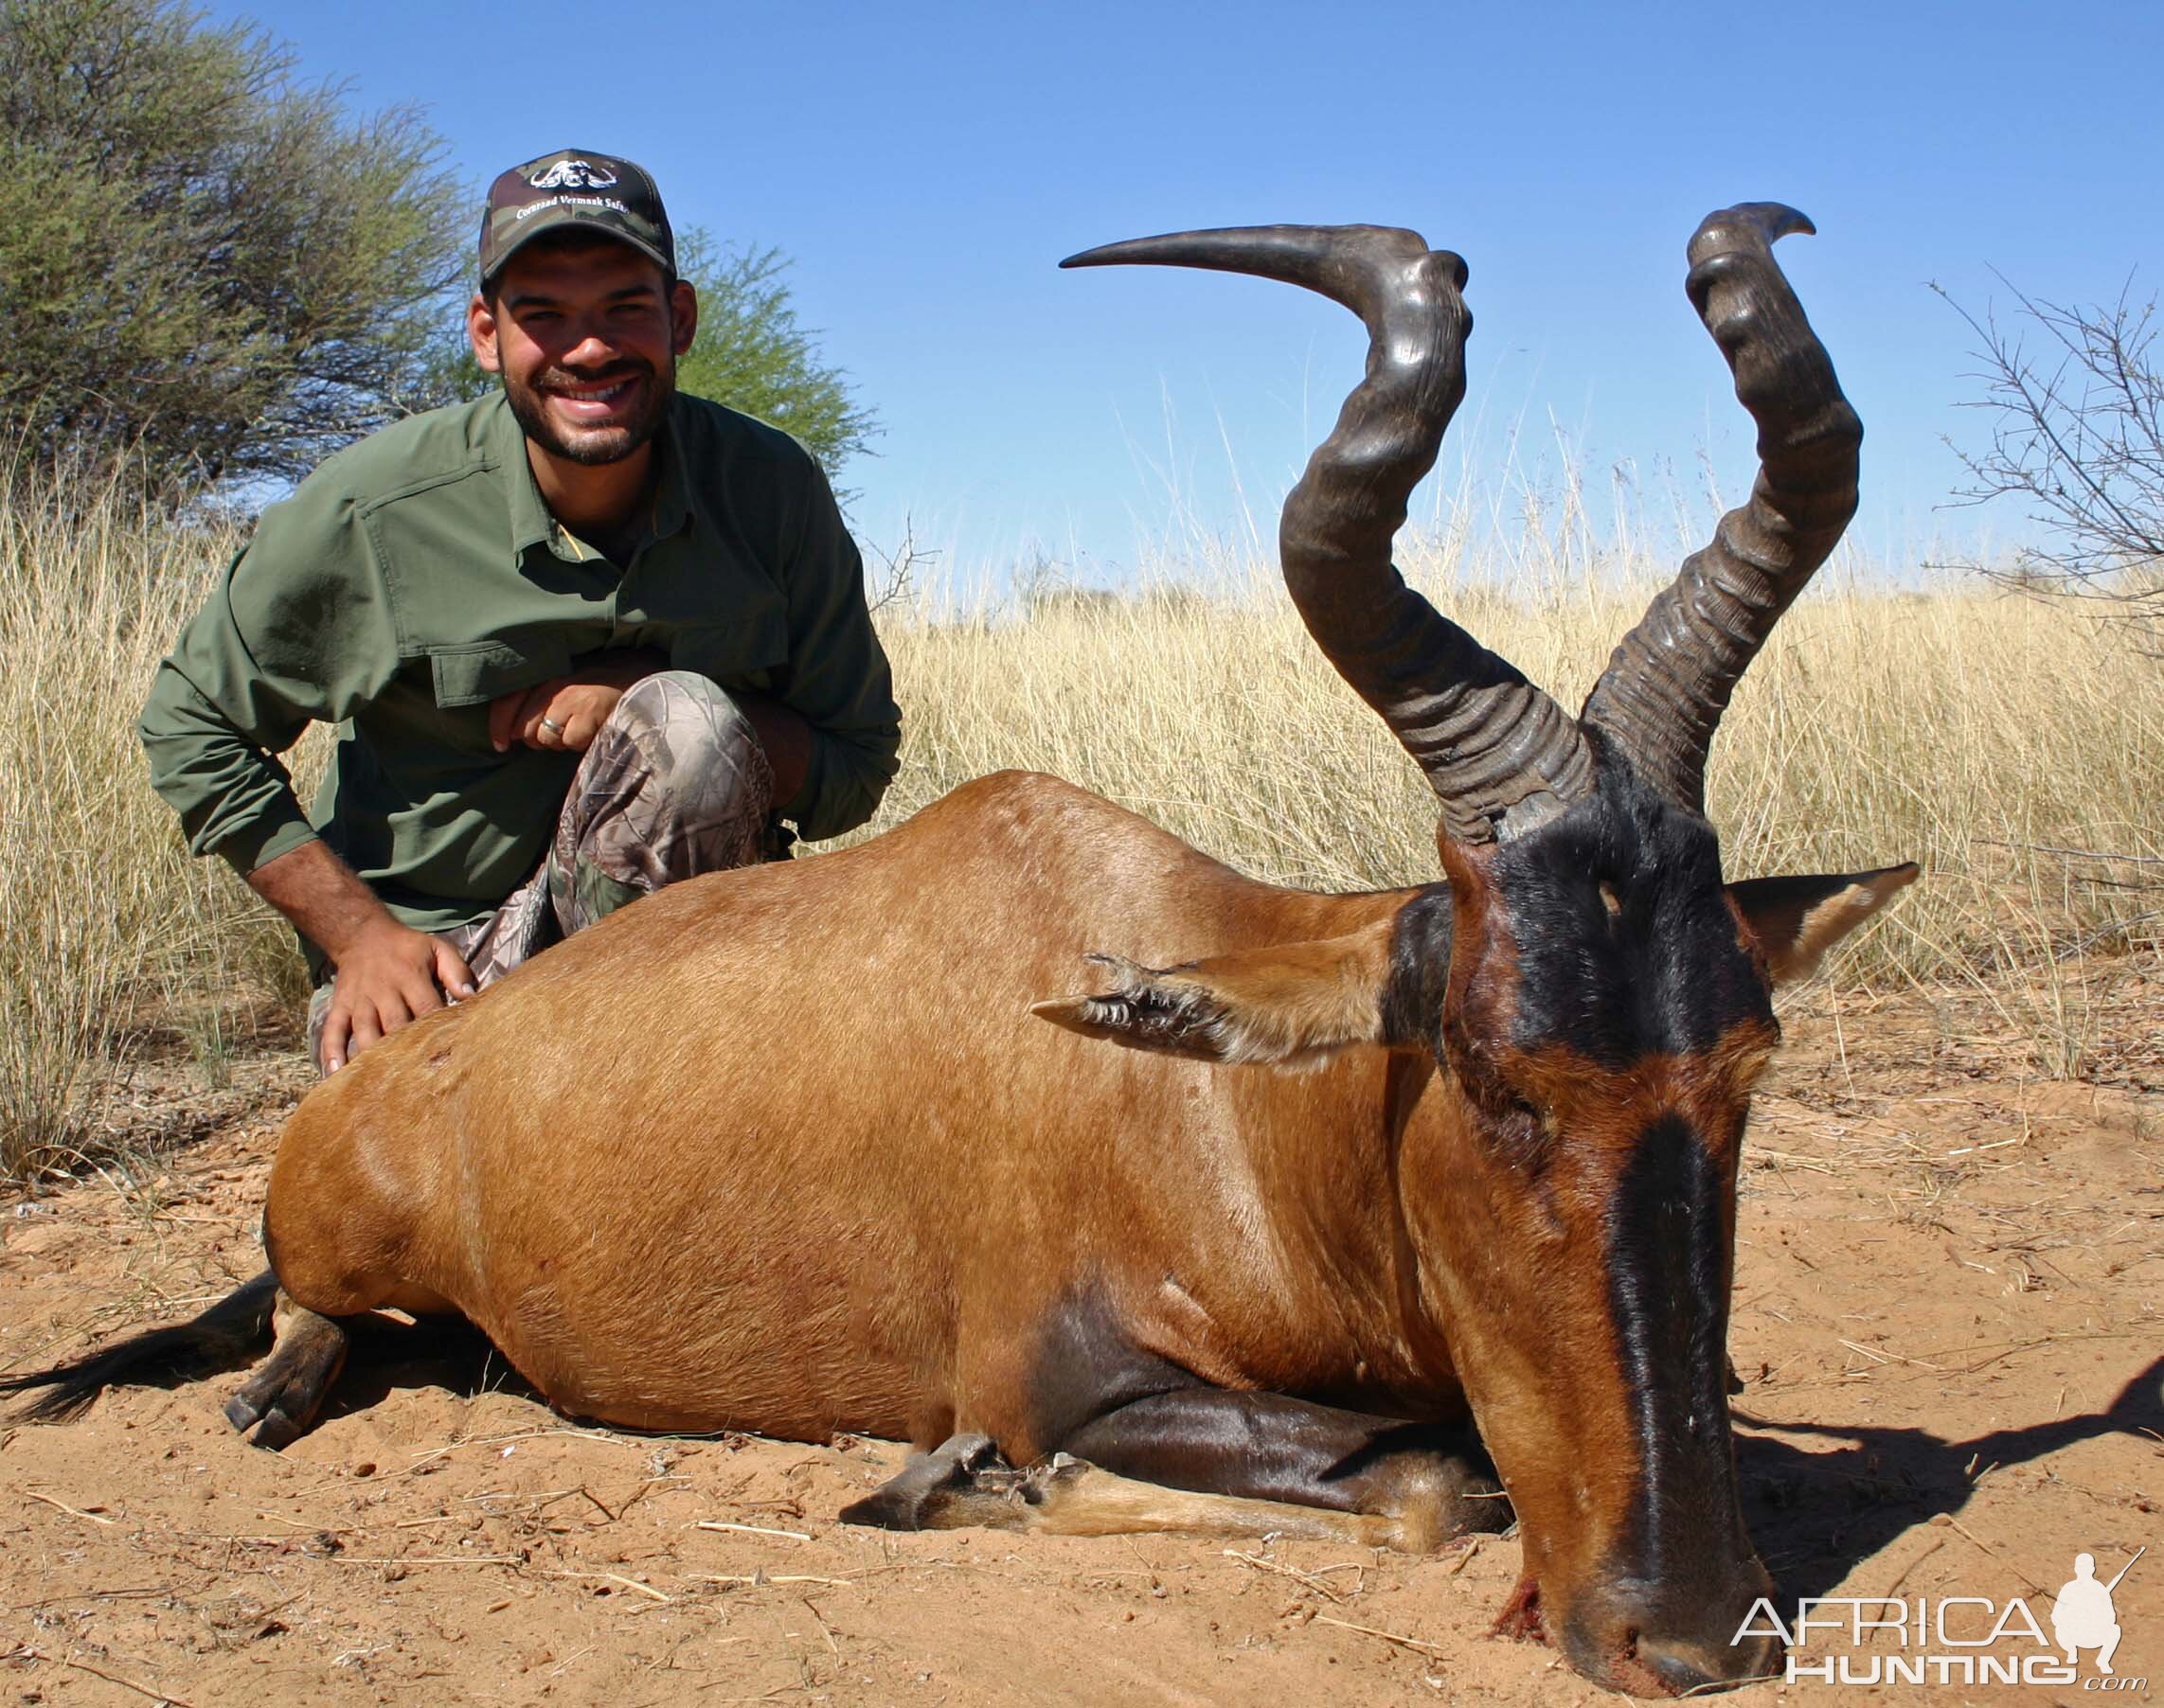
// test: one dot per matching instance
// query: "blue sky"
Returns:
(927, 165)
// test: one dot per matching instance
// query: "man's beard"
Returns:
(594, 446)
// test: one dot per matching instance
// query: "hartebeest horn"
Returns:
(1661, 696)
(1502, 755)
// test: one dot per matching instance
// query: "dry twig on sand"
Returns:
(114, 1678)
(795, 1535)
(71, 1511)
(617, 1578)
(1960, 1529)
(1369, 1631)
(1307, 1580)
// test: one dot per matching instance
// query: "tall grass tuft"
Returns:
(2017, 750)
(102, 915)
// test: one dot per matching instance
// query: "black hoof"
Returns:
(275, 1407)
(269, 1428)
(932, 1492)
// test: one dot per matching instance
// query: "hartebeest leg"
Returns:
(1217, 1463)
(1428, 1480)
(275, 1406)
(966, 1485)
(277, 1403)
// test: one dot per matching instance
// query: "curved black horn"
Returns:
(1663, 692)
(1499, 753)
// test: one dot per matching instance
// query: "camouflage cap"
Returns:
(574, 187)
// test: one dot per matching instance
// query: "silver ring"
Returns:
(553, 727)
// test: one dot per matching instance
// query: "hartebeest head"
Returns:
(1595, 996)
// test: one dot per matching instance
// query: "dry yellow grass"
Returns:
(2006, 744)
(102, 912)
(1968, 730)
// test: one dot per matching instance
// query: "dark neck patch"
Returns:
(1420, 970)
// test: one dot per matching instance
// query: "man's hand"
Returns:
(565, 713)
(579, 704)
(387, 972)
(390, 975)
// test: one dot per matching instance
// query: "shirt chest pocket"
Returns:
(743, 653)
(475, 672)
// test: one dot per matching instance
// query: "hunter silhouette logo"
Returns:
(1959, 1639)
(2082, 1616)
(573, 174)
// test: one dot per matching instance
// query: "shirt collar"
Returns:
(530, 522)
(672, 489)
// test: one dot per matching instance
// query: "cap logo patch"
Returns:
(573, 174)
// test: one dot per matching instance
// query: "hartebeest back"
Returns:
(835, 1175)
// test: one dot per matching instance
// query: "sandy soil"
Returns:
(1947, 1314)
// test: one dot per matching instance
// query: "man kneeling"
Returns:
(586, 638)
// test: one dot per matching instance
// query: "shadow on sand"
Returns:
(1816, 1515)
(389, 1356)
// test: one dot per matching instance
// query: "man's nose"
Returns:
(593, 349)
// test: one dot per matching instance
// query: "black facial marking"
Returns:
(1420, 969)
(1669, 1264)
(1625, 943)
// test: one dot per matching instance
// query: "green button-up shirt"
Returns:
(418, 575)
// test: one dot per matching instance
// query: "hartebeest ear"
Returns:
(1293, 1005)
(1796, 920)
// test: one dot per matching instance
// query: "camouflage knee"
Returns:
(674, 784)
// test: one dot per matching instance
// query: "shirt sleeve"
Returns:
(298, 632)
(837, 677)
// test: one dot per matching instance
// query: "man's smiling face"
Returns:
(585, 332)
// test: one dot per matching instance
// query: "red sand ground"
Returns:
(1946, 1309)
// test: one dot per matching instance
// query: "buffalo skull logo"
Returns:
(573, 174)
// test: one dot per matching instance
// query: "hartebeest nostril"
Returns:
(1675, 1631)
(1669, 1661)
(1702, 1664)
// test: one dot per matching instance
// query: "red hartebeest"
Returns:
(784, 1150)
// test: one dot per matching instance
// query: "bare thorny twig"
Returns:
(2080, 439)
(894, 583)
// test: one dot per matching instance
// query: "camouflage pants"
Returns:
(674, 784)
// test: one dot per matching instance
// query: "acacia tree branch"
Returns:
(2083, 443)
